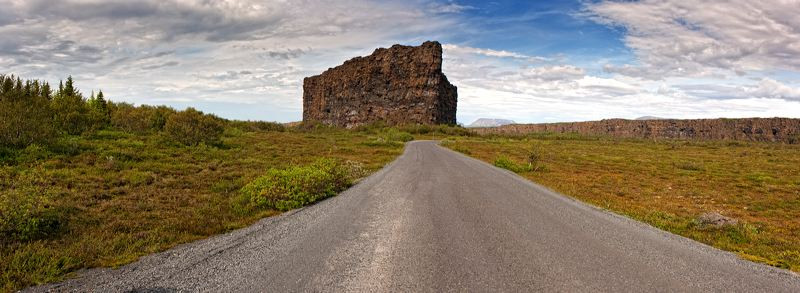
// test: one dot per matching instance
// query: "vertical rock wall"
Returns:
(398, 85)
(754, 129)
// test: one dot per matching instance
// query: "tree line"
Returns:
(31, 112)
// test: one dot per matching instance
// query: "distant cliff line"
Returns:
(753, 129)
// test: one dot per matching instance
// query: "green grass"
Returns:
(506, 163)
(109, 197)
(286, 189)
(668, 184)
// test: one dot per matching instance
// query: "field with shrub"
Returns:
(86, 182)
(669, 184)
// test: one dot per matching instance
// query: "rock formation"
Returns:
(754, 129)
(398, 85)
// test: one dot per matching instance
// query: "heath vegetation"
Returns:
(670, 184)
(86, 182)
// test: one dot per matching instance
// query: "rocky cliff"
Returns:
(754, 129)
(398, 85)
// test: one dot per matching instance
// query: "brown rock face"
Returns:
(398, 85)
(753, 129)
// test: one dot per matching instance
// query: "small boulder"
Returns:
(715, 220)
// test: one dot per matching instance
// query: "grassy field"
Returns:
(669, 184)
(109, 197)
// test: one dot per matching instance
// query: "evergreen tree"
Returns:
(72, 115)
(25, 114)
(101, 116)
(46, 92)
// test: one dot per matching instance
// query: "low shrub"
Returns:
(396, 135)
(443, 129)
(690, 166)
(31, 154)
(26, 214)
(506, 163)
(139, 119)
(129, 118)
(192, 127)
(374, 127)
(455, 146)
(313, 126)
(388, 137)
(382, 142)
(285, 189)
(253, 126)
(535, 157)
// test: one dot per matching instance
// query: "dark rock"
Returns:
(398, 85)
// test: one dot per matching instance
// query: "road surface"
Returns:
(433, 221)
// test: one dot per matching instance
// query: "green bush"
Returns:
(32, 153)
(396, 135)
(128, 118)
(140, 119)
(382, 142)
(26, 214)
(380, 126)
(387, 137)
(192, 127)
(253, 126)
(506, 163)
(285, 189)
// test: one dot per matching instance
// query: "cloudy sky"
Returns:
(540, 61)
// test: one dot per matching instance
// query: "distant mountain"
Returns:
(489, 122)
(651, 118)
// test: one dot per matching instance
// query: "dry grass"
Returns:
(668, 184)
(117, 196)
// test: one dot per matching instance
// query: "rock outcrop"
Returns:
(398, 85)
(753, 129)
(715, 220)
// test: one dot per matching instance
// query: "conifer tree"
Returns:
(101, 116)
(25, 114)
(71, 111)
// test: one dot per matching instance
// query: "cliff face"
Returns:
(401, 84)
(754, 129)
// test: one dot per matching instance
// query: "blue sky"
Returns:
(539, 28)
(530, 61)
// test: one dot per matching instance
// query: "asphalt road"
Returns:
(435, 220)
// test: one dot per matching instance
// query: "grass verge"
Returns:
(108, 197)
(669, 184)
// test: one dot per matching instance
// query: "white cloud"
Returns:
(450, 7)
(456, 49)
(156, 51)
(692, 63)
(492, 87)
(706, 38)
(554, 73)
(772, 89)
